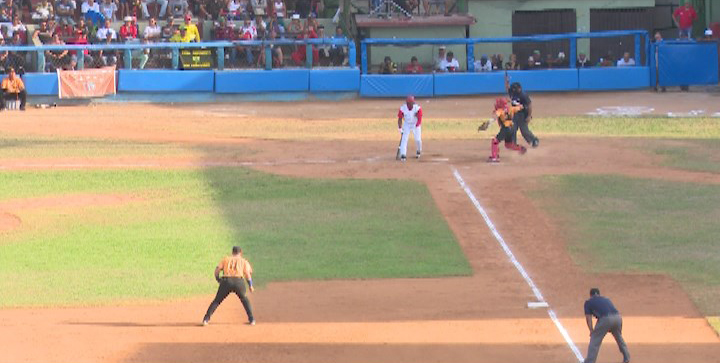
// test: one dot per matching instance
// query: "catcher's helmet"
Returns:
(500, 103)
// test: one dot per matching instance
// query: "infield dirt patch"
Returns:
(482, 318)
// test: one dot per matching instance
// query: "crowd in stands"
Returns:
(446, 62)
(58, 22)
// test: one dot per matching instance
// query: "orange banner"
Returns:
(86, 83)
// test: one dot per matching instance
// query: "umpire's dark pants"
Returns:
(520, 122)
(613, 324)
(228, 285)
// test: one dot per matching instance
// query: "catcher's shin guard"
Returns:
(494, 149)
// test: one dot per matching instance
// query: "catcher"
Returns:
(504, 116)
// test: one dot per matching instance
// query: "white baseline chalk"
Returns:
(518, 266)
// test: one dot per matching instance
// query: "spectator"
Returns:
(450, 64)
(388, 66)
(323, 49)
(107, 32)
(338, 53)
(317, 7)
(211, 9)
(275, 50)
(530, 64)
(311, 21)
(5, 17)
(108, 8)
(58, 59)
(295, 28)
(246, 32)
(583, 61)
(178, 8)
(169, 29)
(279, 9)
(125, 7)
(12, 9)
(18, 58)
(684, 16)
(109, 57)
(128, 31)
(181, 35)
(237, 9)
(42, 35)
(513, 64)
(484, 64)
(440, 57)
(302, 8)
(626, 61)
(192, 30)
(152, 32)
(261, 26)
(497, 62)
(276, 25)
(163, 7)
(537, 58)
(66, 12)
(550, 62)
(258, 6)
(223, 30)
(608, 61)
(561, 61)
(43, 11)
(299, 55)
(91, 10)
(18, 27)
(12, 88)
(657, 39)
(414, 67)
(708, 35)
(5, 60)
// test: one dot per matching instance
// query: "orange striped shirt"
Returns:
(235, 266)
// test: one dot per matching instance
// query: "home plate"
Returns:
(537, 304)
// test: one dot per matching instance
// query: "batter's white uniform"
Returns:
(412, 118)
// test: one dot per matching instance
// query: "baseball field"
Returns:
(114, 216)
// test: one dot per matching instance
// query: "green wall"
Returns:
(424, 53)
(494, 18)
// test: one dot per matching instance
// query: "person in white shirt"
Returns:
(409, 120)
(163, 7)
(108, 9)
(449, 64)
(88, 5)
(440, 57)
(152, 32)
(483, 65)
(107, 31)
(626, 60)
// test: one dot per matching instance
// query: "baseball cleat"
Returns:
(417, 155)
(205, 323)
(535, 143)
(403, 158)
(252, 322)
(522, 150)
(493, 160)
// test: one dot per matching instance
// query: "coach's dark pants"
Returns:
(228, 285)
(520, 122)
(612, 324)
(22, 95)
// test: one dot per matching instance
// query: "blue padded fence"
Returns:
(165, 81)
(683, 63)
(380, 85)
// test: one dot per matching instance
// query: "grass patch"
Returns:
(166, 243)
(692, 155)
(619, 224)
(715, 323)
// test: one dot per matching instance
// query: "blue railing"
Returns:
(175, 48)
(639, 35)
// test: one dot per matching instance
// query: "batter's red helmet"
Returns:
(410, 98)
(500, 103)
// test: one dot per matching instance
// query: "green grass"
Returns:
(166, 242)
(654, 127)
(619, 224)
(692, 155)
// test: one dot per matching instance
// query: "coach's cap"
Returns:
(708, 32)
(127, 19)
(442, 47)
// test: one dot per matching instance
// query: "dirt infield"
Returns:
(483, 318)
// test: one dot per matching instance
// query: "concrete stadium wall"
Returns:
(495, 18)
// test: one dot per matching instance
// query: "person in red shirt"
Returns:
(684, 17)
(414, 67)
(128, 31)
(299, 55)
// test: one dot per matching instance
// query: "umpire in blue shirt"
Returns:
(608, 320)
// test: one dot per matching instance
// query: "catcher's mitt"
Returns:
(484, 125)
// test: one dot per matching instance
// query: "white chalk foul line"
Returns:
(518, 265)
